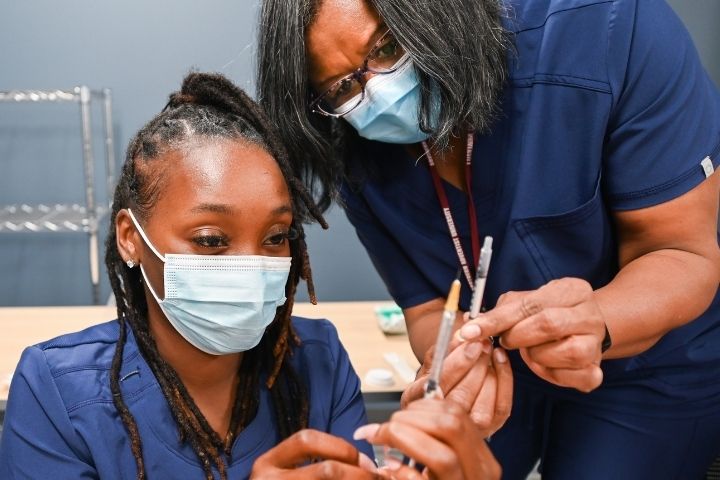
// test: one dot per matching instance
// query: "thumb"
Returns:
(413, 392)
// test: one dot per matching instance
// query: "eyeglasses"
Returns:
(343, 96)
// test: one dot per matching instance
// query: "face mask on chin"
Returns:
(220, 304)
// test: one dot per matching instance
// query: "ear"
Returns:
(127, 237)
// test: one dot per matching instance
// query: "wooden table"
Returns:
(355, 321)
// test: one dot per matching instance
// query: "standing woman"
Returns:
(582, 136)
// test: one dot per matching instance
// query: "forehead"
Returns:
(340, 29)
(222, 171)
(343, 15)
(345, 22)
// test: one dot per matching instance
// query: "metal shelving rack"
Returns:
(70, 217)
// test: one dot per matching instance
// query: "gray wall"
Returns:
(141, 50)
(702, 18)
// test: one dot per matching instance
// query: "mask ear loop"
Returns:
(144, 237)
(152, 290)
(154, 250)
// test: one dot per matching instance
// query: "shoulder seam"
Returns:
(60, 373)
(127, 396)
(547, 17)
(565, 80)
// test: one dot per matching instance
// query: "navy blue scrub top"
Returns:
(61, 421)
(608, 108)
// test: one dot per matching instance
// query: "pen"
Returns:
(481, 277)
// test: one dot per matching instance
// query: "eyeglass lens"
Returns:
(383, 58)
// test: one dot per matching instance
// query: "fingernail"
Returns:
(472, 350)
(500, 355)
(392, 463)
(366, 431)
(486, 346)
(367, 464)
(469, 332)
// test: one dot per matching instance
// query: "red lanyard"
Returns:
(442, 198)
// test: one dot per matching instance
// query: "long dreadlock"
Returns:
(208, 106)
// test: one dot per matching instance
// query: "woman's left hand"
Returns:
(558, 328)
(329, 457)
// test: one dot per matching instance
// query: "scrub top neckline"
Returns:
(155, 412)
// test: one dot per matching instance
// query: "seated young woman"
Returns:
(205, 373)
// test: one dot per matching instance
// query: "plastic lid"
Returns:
(380, 377)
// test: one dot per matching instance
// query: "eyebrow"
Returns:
(225, 209)
(281, 210)
(379, 30)
(214, 208)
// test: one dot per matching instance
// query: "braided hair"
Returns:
(208, 106)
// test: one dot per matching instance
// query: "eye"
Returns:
(209, 239)
(278, 238)
(389, 48)
(343, 90)
(385, 55)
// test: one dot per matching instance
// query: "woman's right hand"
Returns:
(330, 457)
(476, 377)
(438, 434)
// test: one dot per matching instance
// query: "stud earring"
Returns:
(130, 263)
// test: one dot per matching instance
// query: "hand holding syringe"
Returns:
(448, 318)
(432, 387)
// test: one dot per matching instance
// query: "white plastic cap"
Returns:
(379, 377)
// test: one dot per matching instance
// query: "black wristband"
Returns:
(607, 341)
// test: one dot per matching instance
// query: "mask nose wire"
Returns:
(144, 237)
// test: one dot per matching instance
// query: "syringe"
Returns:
(443, 339)
(481, 277)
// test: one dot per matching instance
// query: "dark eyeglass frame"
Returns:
(359, 75)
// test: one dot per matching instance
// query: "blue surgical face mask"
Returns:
(389, 111)
(221, 304)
